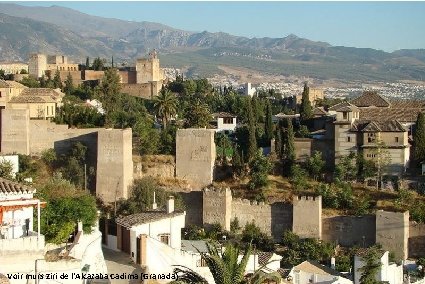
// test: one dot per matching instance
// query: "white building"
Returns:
(17, 204)
(389, 272)
(226, 122)
(248, 90)
(133, 231)
(313, 272)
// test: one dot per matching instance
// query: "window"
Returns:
(47, 110)
(396, 139)
(201, 263)
(348, 139)
(0, 94)
(165, 238)
(227, 120)
(370, 137)
(344, 115)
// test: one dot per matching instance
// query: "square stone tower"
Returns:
(195, 155)
(114, 173)
(37, 64)
(307, 216)
(217, 207)
(392, 232)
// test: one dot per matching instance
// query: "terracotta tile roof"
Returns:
(344, 106)
(223, 114)
(42, 92)
(319, 111)
(38, 95)
(11, 84)
(371, 99)
(401, 114)
(8, 186)
(264, 257)
(316, 268)
(144, 218)
(378, 126)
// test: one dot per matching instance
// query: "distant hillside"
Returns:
(61, 30)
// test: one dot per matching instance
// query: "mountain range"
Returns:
(62, 30)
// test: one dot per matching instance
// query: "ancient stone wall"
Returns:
(307, 216)
(195, 156)
(45, 135)
(114, 173)
(15, 131)
(392, 232)
(194, 207)
(349, 230)
(302, 148)
(272, 219)
(217, 207)
(416, 240)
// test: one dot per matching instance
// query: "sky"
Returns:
(386, 26)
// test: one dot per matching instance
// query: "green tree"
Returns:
(30, 82)
(109, 94)
(65, 207)
(87, 63)
(268, 126)
(251, 234)
(315, 165)
(306, 110)
(57, 82)
(6, 169)
(346, 169)
(252, 139)
(198, 115)
(2, 74)
(98, 64)
(289, 146)
(371, 267)
(260, 167)
(23, 71)
(166, 106)
(225, 268)
(69, 85)
(278, 142)
(142, 197)
(237, 163)
(298, 177)
(419, 138)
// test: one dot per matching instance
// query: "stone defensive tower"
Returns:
(195, 155)
(148, 69)
(37, 64)
(114, 164)
(217, 207)
(392, 232)
(307, 216)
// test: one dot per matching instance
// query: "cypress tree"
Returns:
(252, 140)
(289, 148)
(268, 126)
(255, 108)
(306, 110)
(69, 85)
(278, 142)
(87, 63)
(57, 83)
(419, 138)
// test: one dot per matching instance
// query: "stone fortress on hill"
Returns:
(111, 155)
(145, 79)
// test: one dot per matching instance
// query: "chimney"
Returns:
(333, 262)
(170, 204)
(154, 205)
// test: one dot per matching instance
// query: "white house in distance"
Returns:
(248, 90)
(389, 272)
(314, 272)
(226, 122)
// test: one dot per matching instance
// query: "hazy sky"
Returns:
(381, 25)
